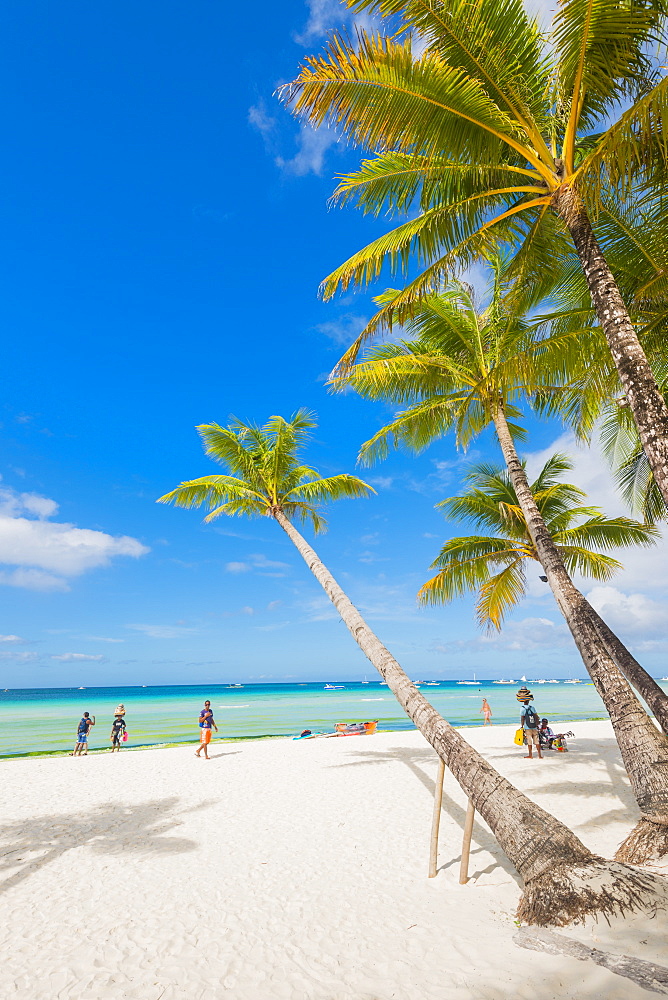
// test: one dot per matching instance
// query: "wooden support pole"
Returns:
(466, 844)
(436, 819)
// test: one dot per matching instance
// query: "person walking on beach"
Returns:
(487, 712)
(206, 724)
(85, 725)
(529, 721)
(118, 729)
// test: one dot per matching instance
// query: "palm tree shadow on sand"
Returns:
(26, 846)
(412, 759)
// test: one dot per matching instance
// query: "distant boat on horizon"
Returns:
(229, 685)
(573, 680)
(474, 681)
(504, 682)
(334, 687)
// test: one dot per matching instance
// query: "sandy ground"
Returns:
(285, 870)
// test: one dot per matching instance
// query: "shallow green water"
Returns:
(45, 719)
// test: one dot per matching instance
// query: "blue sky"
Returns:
(164, 230)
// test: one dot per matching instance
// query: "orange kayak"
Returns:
(356, 728)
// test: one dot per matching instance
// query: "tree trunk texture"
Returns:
(646, 402)
(635, 674)
(644, 750)
(563, 881)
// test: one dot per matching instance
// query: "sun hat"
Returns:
(524, 694)
(120, 709)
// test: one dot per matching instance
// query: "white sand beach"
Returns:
(284, 870)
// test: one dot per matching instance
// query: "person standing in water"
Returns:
(206, 724)
(85, 725)
(529, 721)
(487, 712)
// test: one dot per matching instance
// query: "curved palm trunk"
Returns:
(647, 404)
(563, 880)
(646, 686)
(644, 750)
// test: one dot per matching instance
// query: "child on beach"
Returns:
(487, 712)
(529, 720)
(85, 726)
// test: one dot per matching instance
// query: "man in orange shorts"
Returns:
(206, 724)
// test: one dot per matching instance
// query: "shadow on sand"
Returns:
(413, 760)
(27, 846)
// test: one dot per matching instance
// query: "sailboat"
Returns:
(474, 681)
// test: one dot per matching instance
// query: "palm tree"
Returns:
(494, 566)
(464, 371)
(496, 134)
(263, 477)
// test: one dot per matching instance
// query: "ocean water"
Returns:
(45, 719)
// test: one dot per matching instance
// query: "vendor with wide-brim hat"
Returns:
(529, 720)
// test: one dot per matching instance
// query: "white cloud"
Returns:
(325, 16)
(312, 144)
(33, 579)
(257, 561)
(643, 567)
(11, 638)
(526, 634)
(77, 658)
(635, 614)
(7, 654)
(344, 330)
(163, 631)
(260, 561)
(103, 638)
(46, 551)
(260, 119)
(13, 503)
(237, 567)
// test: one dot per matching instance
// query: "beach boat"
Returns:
(553, 681)
(356, 728)
(504, 682)
(660, 678)
(334, 687)
(540, 682)
(234, 686)
(573, 680)
(432, 684)
(365, 681)
(474, 681)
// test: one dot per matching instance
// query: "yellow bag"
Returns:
(519, 737)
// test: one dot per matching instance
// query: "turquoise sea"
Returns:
(45, 719)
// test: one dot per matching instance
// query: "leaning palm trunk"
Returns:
(646, 402)
(563, 881)
(644, 750)
(646, 686)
